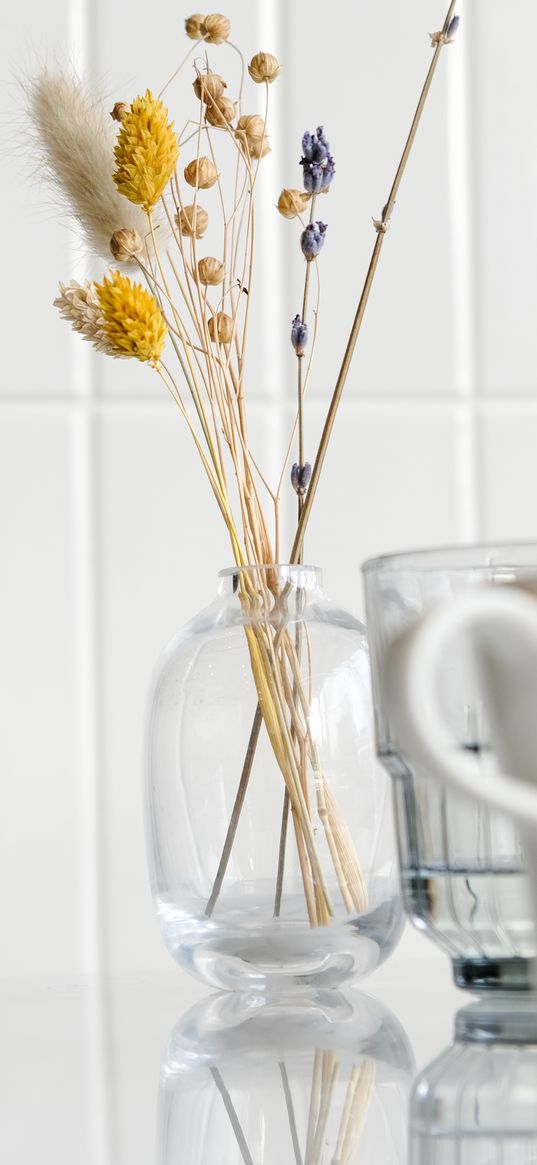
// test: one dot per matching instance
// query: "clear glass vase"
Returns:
(269, 820)
(476, 1104)
(463, 872)
(321, 1077)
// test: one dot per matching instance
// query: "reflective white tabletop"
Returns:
(80, 1061)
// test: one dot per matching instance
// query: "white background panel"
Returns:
(504, 128)
(509, 472)
(390, 482)
(41, 863)
(109, 537)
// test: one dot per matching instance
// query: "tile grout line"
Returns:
(82, 35)
(460, 103)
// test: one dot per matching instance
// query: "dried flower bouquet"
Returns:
(148, 195)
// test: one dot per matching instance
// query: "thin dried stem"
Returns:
(233, 1118)
(179, 68)
(290, 1112)
(237, 808)
(364, 298)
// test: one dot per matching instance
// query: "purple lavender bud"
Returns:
(300, 478)
(299, 336)
(317, 162)
(453, 28)
(312, 239)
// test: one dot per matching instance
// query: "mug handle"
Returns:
(502, 624)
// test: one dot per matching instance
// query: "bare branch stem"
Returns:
(364, 298)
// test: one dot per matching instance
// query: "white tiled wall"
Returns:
(109, 538)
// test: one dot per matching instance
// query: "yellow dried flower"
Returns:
(292, 202)
(220, 112)
(211, 272)
(146, 151)
(216, 28)
(192, 221)
(194, 26)
(132, 321)
(220, 328)
(126, 245)
(201, 173)
(119, 111)
(208, 85)
(264, 67)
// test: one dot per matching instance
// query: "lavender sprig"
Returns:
(317, 163)
(312, 240)
(299, 335)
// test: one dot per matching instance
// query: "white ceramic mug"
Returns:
(500, 626)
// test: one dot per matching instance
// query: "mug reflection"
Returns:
(319, 1080)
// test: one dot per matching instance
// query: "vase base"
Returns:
(495, 974)
(242, 947)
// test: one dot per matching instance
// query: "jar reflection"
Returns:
(477, 1103)
(322, 1079)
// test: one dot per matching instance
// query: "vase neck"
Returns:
(271, 576)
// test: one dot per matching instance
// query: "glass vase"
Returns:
(269, 822)
(463, 872)
(321, 1077)
(476, 1104)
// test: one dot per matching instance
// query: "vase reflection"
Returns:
(476, 1104)
(322, 1079)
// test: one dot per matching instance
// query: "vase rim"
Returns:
(300, 575)
(290, 567)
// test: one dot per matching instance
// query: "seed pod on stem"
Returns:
(293, 202)
(220, 112)
(201, 173)
(208, 85)
(119, 111)
(264, 68)
(126, 245)
(211, 272)
(194, 26)
(251, 132)
(216, 28)
(192, 221)
(220, 328)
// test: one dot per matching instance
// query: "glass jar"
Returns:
(463, 872)
(476, 1104)
(321, 1077)
(269, 822)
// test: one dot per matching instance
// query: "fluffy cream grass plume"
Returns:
(76, 140)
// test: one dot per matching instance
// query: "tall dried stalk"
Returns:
(305, 509)
(212, 364)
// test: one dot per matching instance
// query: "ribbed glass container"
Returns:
(477, 1103)
(463, 872)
